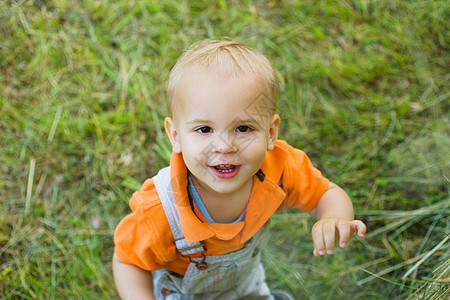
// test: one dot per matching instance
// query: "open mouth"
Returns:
(225, 170)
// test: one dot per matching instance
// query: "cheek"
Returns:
(195, 151)
(256, 150)
(257, 141)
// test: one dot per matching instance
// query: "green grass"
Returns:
(363, 90)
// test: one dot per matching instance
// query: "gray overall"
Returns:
(236, 275)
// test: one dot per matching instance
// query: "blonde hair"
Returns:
(224, 57)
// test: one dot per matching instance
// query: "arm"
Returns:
(132, 282)
(335, 214)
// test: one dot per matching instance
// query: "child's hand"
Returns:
(325, 230)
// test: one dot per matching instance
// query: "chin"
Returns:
(223, 189)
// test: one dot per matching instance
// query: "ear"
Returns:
(273, 132)
(172, 132)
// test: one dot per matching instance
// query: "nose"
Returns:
(224, 144)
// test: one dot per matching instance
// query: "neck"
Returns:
(224, 208)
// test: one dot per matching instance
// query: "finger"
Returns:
(315, 252)
(359, 227)
(329, 231)
(344, 233)
(317, 236)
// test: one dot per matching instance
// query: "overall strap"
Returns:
(164, 188)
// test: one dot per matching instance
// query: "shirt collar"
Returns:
(265, 198)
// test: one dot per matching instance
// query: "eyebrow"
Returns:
(237, 120)
(196, 121)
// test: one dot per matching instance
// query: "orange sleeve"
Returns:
(302, 182)
(138, 239)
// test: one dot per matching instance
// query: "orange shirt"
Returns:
(143, 238)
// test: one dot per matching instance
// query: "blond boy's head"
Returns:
(223, 58)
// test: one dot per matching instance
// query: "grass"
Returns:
(363, 90)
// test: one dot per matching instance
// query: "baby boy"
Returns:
(198, 226)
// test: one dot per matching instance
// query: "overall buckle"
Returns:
(201, 265)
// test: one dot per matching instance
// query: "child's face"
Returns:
(223, 128)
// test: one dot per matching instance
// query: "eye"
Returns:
(204, 129)
(243, 128)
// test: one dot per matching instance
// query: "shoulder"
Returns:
(303, 183)
(282, 151)
(148, 210)
(289, 151)
(146, 198)
(281, 158)
(293, 159)
(144, 232)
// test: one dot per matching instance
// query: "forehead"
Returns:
(204, 90)
(202, 94)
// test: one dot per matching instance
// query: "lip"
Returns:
(225, 171)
